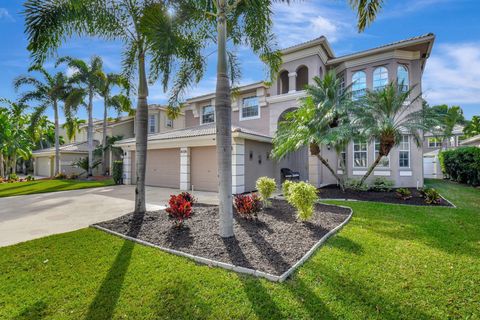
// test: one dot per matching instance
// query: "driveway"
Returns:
(29, 217)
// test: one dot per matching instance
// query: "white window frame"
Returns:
(437, 144)
(150, 117)
(354, 89)
(168, 122)
(407, 83)
(342, 156)
(375, 152)
(243, 105)
(366, 152)
(405, 150)
(382, 74)
(201, 114)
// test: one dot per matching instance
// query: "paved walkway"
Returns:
(29, 217)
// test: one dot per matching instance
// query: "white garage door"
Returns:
(163, 168)
(43, 166)
(203, 168)
(429, 167)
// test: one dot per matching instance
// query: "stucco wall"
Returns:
(258, 163)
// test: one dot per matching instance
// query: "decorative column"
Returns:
(127, 167)
(292, 82)
(314, 171)
(185, 169)
(238, 166)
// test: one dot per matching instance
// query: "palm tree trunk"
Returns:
(141, 118)
(224, 128)
(57, 139)
(90, 133)
(104, 137)
(327, 165)
(373, 166)
(2, 167)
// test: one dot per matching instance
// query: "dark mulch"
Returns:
(273, 243)
(334, 192)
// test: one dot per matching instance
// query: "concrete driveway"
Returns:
(29, 217)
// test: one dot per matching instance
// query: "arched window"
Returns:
(359, 84)
(403, 80)
(283, 82)
(380, 78)
(302, 78)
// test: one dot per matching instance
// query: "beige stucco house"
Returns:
(185, 158)
(472, 141)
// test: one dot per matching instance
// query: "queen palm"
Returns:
(120, 102)
(321, 121)
(449, 117)
(473, 127)
(49, 93)
(148, 32)
(386, 115)
(72, 127)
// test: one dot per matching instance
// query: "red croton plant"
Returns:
(247, 205)
(179, 209)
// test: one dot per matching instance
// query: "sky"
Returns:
(452, 73)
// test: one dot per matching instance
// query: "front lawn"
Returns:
(389, 262)
(42, 186)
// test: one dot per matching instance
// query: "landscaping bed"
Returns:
(334, 192)
(272, 243)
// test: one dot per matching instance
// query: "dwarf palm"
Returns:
(49, 93)
(149, 33)
(387, 115)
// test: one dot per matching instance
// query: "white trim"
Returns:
(409, 154)
(406, 173)
(240, 109)
(383, 173)
(353, 155)
(201, 113)
(339, 171)
(287, 96)
(359, 172)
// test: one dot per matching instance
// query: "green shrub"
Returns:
(302, 196)
(354, 184)
(117, 172)
(431, 196)
(462, 165)
(60, 176)
(286, 187)
(382, 184)
(13, 177)
(266, 187)
(30, 178)
(403, 193)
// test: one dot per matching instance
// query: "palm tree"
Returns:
(384, 115)
(49, 93)
(321, 121)
(449, 117)
(120, 102)
(86, 75)
(72, 126)
(149, 33)
(473, 127)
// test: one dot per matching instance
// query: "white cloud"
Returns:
(452, 74)
(5, 15)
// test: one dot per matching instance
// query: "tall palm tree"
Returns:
(321, 121)
(385, 116)
(86, 76)
(473, 127)
(72, 126)
(50, 92)
(150, 35)
(449, 117)
(120, 102)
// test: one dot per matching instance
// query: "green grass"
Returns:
(389, 262)
(42, 186)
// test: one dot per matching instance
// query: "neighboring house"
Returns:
(473, 141)
(186, 158)
(433, 144)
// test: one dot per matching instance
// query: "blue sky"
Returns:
(452, 75)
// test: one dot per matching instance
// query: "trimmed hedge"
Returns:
(462, 165)
(117, 172)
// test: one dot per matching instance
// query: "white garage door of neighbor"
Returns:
(429, 167)
(203, 169)
(43, 166)
(163, 168)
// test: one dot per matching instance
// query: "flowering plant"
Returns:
(179, 209)
(247, 205)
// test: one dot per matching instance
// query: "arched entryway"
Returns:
(283, 85)
(302, 78)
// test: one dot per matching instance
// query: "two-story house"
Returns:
(186, 158)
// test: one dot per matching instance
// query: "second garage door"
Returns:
(163, 168)
(43, 166)
(203, 168)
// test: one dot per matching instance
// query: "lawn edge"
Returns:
(239, 269)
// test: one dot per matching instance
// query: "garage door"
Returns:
(163, 168)
(43, 166)
(203, 168)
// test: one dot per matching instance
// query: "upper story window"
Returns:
(302, 78)
(283, 85)
(434, 142)
(250, 108)
(380, 78)
(402, 78)
(152, 123)
(385, 161)
(404, 152)
(360, 154)
(168, 122)
(359, 84)
(208, 114)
